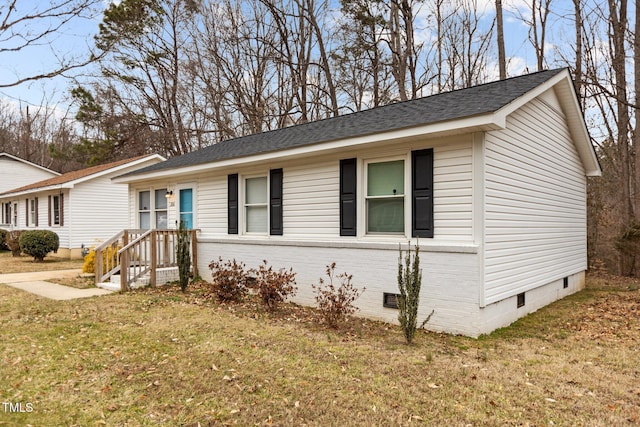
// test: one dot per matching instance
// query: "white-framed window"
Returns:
(152, 208)
(55, 207)
(6, 213)
(385, 196)
(256, 205)
(33, 212)
(160, 208)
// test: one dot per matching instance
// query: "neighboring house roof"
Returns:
(69, 179)
(451, 107)
(18, 159)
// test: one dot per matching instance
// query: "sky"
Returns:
(76, 38)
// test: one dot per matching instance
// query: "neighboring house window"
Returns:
(385, 197)
(6, 213)
(32, 212)
(55, 207)
(152, 209)
(55, 201)
(255, 205)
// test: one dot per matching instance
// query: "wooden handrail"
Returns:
(135, 256)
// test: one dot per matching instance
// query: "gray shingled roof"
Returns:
(458, 104)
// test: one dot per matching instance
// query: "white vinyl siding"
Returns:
(311, 196)
(535, 203)
(453, 190)
(97, 210)
(14, 174)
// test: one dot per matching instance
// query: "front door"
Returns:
(185, 202)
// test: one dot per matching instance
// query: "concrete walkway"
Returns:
(36, 283)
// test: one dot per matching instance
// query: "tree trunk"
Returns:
(502, 62)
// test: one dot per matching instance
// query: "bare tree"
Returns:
(144, 43)
(466, 44)
(26, 24)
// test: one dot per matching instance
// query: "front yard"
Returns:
(160, 357)
(24, 263)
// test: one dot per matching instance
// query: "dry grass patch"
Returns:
(25, 264)
(79, 281)
(160, 357)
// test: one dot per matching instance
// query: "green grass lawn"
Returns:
(160, 357)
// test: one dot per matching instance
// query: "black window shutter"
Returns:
(348, 180)
(422, 193)
(275, 202)
(232, 204)
(50, 207)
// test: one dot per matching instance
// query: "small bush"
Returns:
(110, 254)
(38, 243)
(336, 302)
(229, 279)
(12, 241)
(3, 240)
(89, 265)
(274, 287)
(409, 284)
(183, 256)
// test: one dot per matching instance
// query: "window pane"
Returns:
(161, 198)
(161, 219)
(56, 210)
(256, 190)
(145, 220)
(383, 178)
(256, 219)
(385, 215)
(144, 200)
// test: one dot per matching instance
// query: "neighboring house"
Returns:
(82, 207)
(489, 180)
(16, 172)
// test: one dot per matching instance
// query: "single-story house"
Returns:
(490, 181)
(16, 172)
(83, 207)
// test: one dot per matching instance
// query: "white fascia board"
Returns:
(117, 168)
(66, 185)
(485, 122)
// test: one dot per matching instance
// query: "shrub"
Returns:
(274, 287)
(3, 240)
(336, 303)
(12, 241)
(409, 283)
(38, 243)
(89, 265)
(229, 279)
(183, 256)
(109, 254)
